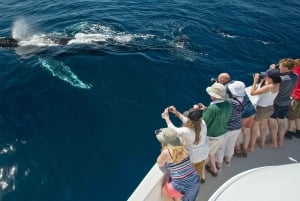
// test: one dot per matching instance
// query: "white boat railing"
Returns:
(150, 189)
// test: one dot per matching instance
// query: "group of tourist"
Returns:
(210, 135)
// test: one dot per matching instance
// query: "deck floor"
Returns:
(260, 157)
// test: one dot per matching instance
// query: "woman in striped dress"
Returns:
(184, 182)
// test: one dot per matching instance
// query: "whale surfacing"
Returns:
(8, 42)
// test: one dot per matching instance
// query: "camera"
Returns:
(277, 66)
(213, 80)
(261, 76)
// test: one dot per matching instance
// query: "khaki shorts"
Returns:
(199, 167)
(263, 112)
(294, 110)
(214, 143)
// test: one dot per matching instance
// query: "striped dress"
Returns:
(185, 179)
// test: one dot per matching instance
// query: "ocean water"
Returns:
(77, 120)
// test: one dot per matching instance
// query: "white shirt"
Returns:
(266, 99)
(197, 152)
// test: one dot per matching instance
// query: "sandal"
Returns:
(227, 162)
(237, 152)
(208, 169)
(244, 153)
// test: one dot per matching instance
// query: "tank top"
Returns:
(184, 178)
(266, 99)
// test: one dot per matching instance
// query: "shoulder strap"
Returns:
(235, 98)
(170, 153)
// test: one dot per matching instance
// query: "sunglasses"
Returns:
(157, 131)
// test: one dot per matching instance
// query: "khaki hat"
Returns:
(217, 90)
(168, 136)
(237, 88)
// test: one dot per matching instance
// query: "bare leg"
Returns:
(263, 132)
(203, 172)
(298, 124)
(246, 138)
(291, 125)
(212, 160)
(254, 129)
(281, 130)
(273, 130)
(228, 159)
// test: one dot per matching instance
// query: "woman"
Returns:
(248, 114)
(193, 133)
(293, 114)
(183, 183)
(234, 125)
(267, 92)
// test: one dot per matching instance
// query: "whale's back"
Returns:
(8, 42)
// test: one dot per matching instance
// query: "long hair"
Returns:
(288, 62)
(178, 153)
(196, 125)
(276, 79)
(297, 62)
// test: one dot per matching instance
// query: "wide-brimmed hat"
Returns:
(217, 90)
(237, 88)
(272, 73)
(168, 136)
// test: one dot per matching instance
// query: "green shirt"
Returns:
(216, 117)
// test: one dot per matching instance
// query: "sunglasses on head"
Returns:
(157, 131)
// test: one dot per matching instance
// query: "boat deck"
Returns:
(260, 157)
(150, 188)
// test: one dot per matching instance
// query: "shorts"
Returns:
(294, 110)
(214, 143)
(263, 112)
(171, 191)
(199, 167)
(280, 112)
(247, 122)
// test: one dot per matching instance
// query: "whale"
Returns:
(9, 42)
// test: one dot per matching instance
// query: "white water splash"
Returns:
(63, 72)
(20, 29)
(7, 149)
(86, 32)
(41, 40)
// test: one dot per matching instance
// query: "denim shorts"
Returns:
(280, 112)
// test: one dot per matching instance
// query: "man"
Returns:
(224, 78)
(216, 117)
(282, 101)
(248, 113)
(293, 114)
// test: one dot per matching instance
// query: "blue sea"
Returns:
(77, 120)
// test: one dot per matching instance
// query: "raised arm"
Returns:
(255, 90)
(163, 157)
